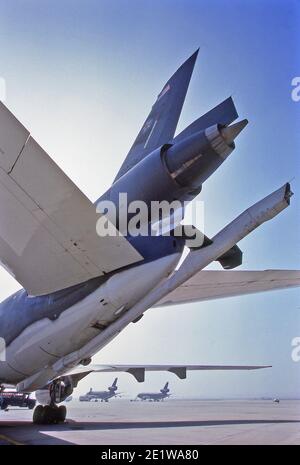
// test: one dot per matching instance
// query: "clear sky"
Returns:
(82, 76)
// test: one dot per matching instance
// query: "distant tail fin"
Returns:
(114, 386)
(165, 388)
(161, 123)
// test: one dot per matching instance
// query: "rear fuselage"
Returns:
(38, 331)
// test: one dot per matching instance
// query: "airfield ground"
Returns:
(170, 422)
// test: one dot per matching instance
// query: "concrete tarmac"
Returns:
(170, 422)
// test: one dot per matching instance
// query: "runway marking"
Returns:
(3, 437)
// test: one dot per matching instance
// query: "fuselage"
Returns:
(38, 331)
(97, 395)
(155, 396)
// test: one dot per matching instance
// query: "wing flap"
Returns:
(13, 137)
(207, 285)
(48, 240)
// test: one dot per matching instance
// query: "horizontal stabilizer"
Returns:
(211, 285)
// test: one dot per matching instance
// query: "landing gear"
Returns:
(38, 415)
(49, 414)
(52, 414)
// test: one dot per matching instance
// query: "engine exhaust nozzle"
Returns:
(229, 133)
(194, 159)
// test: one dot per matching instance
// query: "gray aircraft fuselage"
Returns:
(155, 396)
(97, 395)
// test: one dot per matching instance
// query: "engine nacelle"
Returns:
(112, 388)
(148, 181)
(176, 172)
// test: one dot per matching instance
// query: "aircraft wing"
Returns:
(138, 371)
(208, 285)
(48, 240)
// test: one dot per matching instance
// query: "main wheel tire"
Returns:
(48, 415)
(38, 415)
(61, 413)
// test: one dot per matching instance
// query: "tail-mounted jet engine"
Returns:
(165, 390)
(112, 388)
(177, 171)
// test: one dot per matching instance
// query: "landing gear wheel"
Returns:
(38, 415)
(49, 414)
(61, 413)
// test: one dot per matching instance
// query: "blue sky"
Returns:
(82, 76)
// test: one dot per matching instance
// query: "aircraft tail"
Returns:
(224, 113)
(165, 388)
(114, 386)
(160, 125)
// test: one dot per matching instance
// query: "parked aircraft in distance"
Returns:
(155, 396)
(103, 396)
